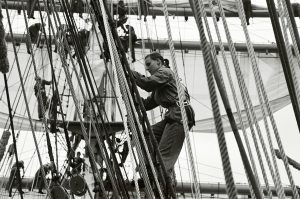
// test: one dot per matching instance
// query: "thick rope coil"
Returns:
(4, 64)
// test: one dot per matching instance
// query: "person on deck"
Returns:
(13, 176)
(41, 97)
(38, 177)
(78, 164)
(169, 132)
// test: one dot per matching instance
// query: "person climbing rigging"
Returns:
(78, 164)
(38, 181)
(125, 40)
(121, 10)
(42, 97)
(169, 132)
(34, 33)
(13, 176)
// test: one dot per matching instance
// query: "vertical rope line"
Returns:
(25, 99)
(231, 86)
(289, 49)
(181, 99)
(246, 97)
(236, 102)
(256, 71)
(209, 64)
(13, 136)
(127, 97)
(260, 82)
(68, 78)
(39, 96)
(128, 140)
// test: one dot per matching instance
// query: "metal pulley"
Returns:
(77, 185)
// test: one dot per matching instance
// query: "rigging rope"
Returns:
(252, 117)
(24, 94)
(231, 189)
(128, 101)
(14, 138)
(235, 100)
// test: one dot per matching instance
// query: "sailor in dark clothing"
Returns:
(77, 6)
(30, 8)
(78, 164)
(40, 84)
(53, 111)
(13, 176)
(34, 31)
(83, 36)
(38, 181)
(248, 10)
(129, 37)
(169, 132)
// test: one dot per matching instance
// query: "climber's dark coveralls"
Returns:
(38, 181)
(78, 165)
(41, 84)
(248, 10)
(13, 175)
(169, 132)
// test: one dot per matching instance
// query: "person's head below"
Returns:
(37, 78)
(78, 154)
(121, 3)
(153, 62)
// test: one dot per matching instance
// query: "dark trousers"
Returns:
(45, 104)
(38, 181)
(170, 137)
(12, 178)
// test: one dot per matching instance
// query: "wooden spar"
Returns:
(185, 45)
(185, 187)
(153, 10)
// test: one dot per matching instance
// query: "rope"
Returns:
(25, 98)
(14, 138)
(231, 189)
(39, 88)
(236, 102)
(128, 101)
(246, 98)
(123, 112)
(88, 82)
(259, 80)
